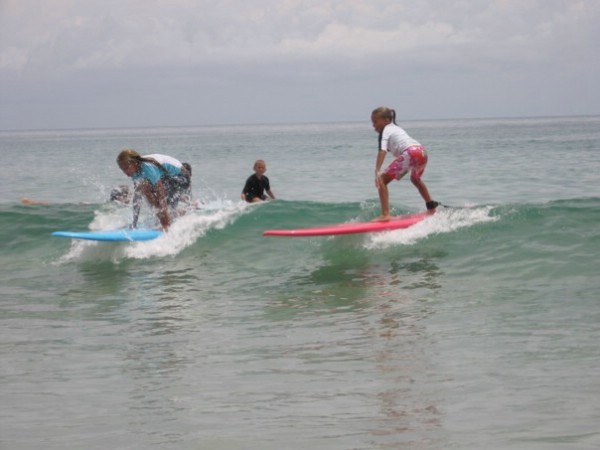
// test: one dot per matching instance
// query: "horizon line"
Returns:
(257, 124)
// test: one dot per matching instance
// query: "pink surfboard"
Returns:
(395, 223)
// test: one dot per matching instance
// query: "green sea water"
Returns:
(476, 328)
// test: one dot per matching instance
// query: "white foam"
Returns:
(111, 217)
(443, 221)
(184, 232)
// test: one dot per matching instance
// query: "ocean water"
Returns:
(475, 329)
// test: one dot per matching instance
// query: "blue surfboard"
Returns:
(112, 235)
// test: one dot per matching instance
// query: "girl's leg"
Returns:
(384, 198)
(418, 162)
(150, 193)
(422, 189)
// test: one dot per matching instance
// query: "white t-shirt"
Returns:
(153, 174)
(165, 159)
(395, 140)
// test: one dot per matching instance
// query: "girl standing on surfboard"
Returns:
(410, 156)
(161, 179)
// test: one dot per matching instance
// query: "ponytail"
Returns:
(386, 113)
(128, 156)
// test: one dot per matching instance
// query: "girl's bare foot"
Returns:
(381, 219)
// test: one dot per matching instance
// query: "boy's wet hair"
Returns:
(257, 162)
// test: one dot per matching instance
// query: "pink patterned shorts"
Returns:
(413, 159)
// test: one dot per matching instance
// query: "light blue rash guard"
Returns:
(153, 174)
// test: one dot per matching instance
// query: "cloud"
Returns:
(73, 35)
(464, 57)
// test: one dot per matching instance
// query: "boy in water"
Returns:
(257, 184)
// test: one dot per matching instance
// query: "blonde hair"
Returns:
(130, 156)
(257, 162)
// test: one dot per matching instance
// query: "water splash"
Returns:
(184, 232)
(444, 221)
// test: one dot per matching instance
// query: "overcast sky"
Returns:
(129, 63)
